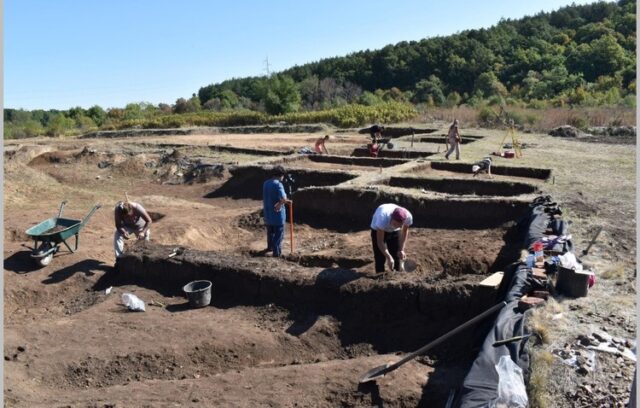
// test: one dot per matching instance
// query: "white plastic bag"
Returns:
(132, 302)
(511, 390)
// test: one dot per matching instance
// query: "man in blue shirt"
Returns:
(274, 199)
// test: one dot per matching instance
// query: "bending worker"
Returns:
(320, 145)
(389, 231)
(130, 218)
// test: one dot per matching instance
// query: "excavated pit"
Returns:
(278, 330)
(246, 181)
(465, 168)
(344, 163)
(466, 139)
(465, 186)
(394, 132)
(396, 154)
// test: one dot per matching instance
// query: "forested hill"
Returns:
(574, 54)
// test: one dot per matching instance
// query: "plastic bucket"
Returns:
(572, 283)
(198, 292)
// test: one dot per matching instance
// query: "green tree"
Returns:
(431, 87)
(97, 114)
(489, 85)
(281, 95)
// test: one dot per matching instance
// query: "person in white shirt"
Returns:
(483, 166)
(389, 231)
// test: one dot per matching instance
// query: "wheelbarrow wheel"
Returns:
(45, 260)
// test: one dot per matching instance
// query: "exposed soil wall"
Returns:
(398, 154)
(472, 186)
(394, 132)
(365, 306)
(344, 209)
(353, 161)
(246, 181)
(441, 139)
(531, 172)
(229, 149)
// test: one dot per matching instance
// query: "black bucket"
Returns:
(198, 293)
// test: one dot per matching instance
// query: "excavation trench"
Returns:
(389, 315)
(319, 207)
(394, 132)
(396, 154)
(465, 186)
(441, 139)
(345, 163)
(247, 181)
(527, 172)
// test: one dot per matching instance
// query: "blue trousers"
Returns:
(275, 233)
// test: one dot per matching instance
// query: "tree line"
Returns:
(575, 56)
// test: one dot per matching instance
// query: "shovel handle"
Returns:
(291, 224)
(445, 336)
(62, 204)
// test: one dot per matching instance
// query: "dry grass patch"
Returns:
(615, 271)
(541, 370)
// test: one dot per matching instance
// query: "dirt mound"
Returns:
(628, 131)
(565, 131)
(24, 154)
(253, 221)
(133, 166)
(204, 173)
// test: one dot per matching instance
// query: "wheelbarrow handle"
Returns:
(94, 209)
(62, 204)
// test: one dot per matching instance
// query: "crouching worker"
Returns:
(130, 219)
(483, 166)
(389, 231)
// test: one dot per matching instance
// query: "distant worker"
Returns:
(389, 231)
(320, 145)
(483, 166)
(274, 199)
(454, 140)
(376, 133)
(130, 219)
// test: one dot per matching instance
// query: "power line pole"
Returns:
(266, 63)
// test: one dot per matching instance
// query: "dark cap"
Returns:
(278, 171)
(376, 129)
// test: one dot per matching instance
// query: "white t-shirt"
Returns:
(382, 218)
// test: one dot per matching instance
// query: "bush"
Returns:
(486, 116)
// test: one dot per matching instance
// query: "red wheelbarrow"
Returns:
(50, 233)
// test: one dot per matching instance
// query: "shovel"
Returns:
(593, 241)
(382, 370)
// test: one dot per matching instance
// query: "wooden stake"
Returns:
(291, 224)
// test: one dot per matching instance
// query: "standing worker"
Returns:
(454, 140)
(389, 232)
(320, 145)
(130, 218)
(274, 199)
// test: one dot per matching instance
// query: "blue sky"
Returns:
(65, 53)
